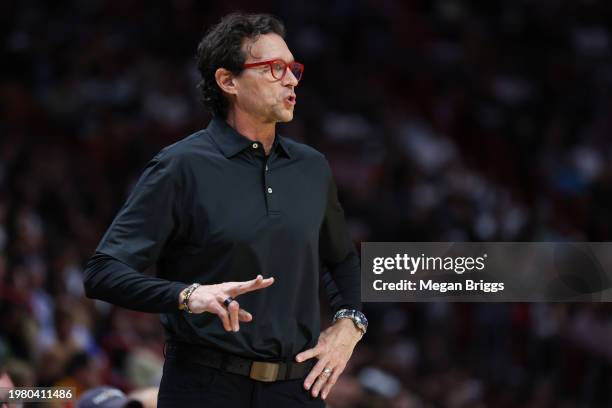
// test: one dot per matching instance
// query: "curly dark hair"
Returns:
(222, 47)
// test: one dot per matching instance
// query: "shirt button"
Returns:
(269, 190)
(255, 145)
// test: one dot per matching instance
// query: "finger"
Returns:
(255, 284)
(233, 309)
(308, 354)
(244, 316)
(239, 288)
(319, 383)
(331, 381)
(314, 373)
(223, 315)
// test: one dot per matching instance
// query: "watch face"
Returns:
(361, 318)
(356, 316)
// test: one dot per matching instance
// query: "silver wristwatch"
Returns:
(356, 316)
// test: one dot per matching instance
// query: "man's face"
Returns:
(259, 94)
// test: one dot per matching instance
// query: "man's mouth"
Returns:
(291, 99)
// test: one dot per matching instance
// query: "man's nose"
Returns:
(290, 79)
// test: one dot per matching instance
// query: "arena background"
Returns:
(443, 120)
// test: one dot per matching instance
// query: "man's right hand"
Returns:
(209, 298)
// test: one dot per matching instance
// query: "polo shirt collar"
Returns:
(231, 142)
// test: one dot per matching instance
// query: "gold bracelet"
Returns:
(185, 303)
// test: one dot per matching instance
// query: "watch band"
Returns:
(187, 294)
(358, 318)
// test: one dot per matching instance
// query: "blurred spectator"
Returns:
(107, 397)
(146, 396)
(82, 372)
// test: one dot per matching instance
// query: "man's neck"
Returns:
(253, 129)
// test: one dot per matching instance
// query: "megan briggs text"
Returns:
(442, 287)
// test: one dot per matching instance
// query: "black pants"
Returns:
(186, 384)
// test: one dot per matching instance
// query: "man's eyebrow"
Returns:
(279, 58)
(270, 60)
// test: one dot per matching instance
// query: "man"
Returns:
(230, 202)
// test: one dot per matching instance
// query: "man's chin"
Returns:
(285, 117)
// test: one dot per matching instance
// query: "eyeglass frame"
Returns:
(270, 62)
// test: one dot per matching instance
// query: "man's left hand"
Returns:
(333, 350)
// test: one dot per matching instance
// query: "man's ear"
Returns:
(226, 81)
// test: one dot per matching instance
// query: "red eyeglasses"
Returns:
(278, 67)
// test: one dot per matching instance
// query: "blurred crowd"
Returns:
(443, 120)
